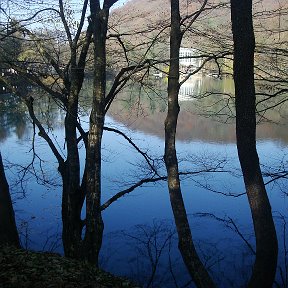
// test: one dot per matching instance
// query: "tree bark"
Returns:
(8, 230)
(73, 188)
(266, 240)
(73, 196)
(189, 254)
(94, 222)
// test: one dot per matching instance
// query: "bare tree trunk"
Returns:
(72, 202)
(94, 222)
(266, 240)
(8, 230)
(189, 254)
(73, 196)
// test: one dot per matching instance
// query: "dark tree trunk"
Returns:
(266, 240)
(94, 222)
(8, 230)
(73, 196)
(72, 202)
(189, 254)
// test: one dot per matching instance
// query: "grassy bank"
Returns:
(21, 268)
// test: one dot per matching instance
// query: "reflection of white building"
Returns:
(190, 88)
(186, 58)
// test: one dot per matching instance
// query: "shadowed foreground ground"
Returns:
(21, 268)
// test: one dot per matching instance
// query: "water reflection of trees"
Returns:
(143, 109)
(155, 261)
(210, 117)
(13, 117)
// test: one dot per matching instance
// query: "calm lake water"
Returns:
(139, 228)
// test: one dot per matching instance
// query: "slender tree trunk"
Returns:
(8, 230)
(72, 203)
(73, 196)
(189, 254)
(266, 241)
(94, 222)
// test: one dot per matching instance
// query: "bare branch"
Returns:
(66, 27)
(43, 134)
(146, 157)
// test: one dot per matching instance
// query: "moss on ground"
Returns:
(22, 268)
